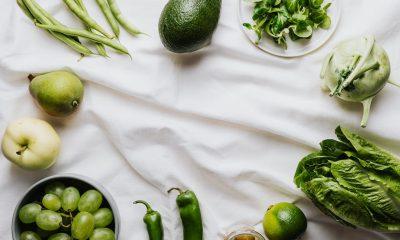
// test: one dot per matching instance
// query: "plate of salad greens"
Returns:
(289, 28)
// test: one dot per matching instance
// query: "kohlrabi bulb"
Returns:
(356, 70)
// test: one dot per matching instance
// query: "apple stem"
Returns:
(22, 150)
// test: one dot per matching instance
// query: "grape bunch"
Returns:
(63, 214)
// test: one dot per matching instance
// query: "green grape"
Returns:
(70, 199)
(51, 202)
(27, 214)
(90, 201)
(56, 188)
(102, 234)
(82, 226)
(48, 220)
(29, 235)
(103, 217)
(60, 236)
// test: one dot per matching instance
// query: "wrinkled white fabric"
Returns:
(229, 122)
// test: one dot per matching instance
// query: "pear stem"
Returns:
(31, 77)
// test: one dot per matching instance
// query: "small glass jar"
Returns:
(245, 234)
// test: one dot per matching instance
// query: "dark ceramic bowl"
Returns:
(82, 183)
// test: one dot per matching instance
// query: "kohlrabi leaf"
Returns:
(350, 175)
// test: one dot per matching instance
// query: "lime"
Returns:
(284, 221)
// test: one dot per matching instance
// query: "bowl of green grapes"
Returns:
(66, 207)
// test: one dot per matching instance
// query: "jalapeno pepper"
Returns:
(153, 222)
(189, 210)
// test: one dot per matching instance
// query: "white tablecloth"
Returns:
(229, 122)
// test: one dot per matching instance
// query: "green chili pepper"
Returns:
(153, 221)
(189, 210)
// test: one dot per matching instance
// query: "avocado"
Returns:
(188, 25)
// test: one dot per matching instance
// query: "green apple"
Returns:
(31, 144)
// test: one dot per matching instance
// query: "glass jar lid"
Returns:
(245, 234)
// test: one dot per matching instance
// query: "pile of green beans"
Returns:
(93, 31)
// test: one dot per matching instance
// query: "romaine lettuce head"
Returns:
(353, 181)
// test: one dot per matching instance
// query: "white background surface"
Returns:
(229, 122)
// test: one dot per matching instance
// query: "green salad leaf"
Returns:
(353, 181)
(345, 205)
(297, 19)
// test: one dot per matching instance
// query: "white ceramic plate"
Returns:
(295, 48)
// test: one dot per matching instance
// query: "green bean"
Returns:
(50, 17)
(124, 23)
(85, 34)
(109, 16)
(21, 5)
(46, 14)
(100, 47)
(39, 17)
(85, 18)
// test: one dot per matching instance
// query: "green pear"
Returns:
(58, 93)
